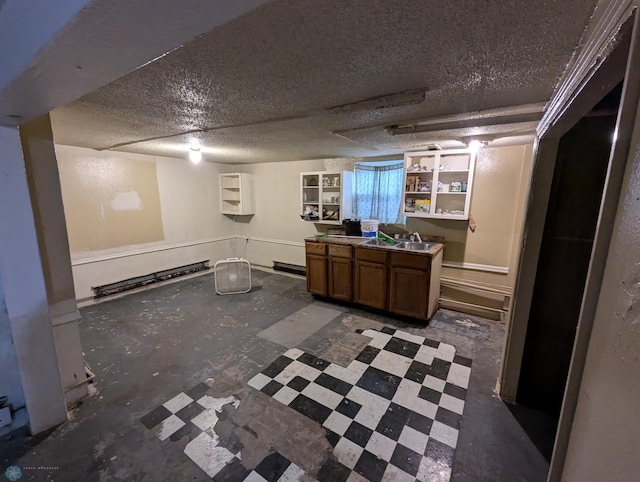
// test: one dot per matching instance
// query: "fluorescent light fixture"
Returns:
(195, 155)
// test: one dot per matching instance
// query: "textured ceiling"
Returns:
(265, 86)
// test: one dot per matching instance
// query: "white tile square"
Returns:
(259, 381)
(286, 395)
(403, 335)
(407, 393)
(168, 427)
(293, 353)
(426, 354)
(284, 377)
(303, 370)
(434, 383)
(358, 367)
(342, 373)
(378, 340)
(445, 434)
(355, 477)
(446, 352)
(206, 420)
(337, 423)
(217, 403)
(459, 380)
(413, 439)
(394, 474)
(254, 477)
(206, 453)
(425, 408)
(452, 403)
(347, 452)
(322, 395)
(381, 446)
(178, 402)
(292, 474)
(391, 363)
(460, 370)
(433, 471)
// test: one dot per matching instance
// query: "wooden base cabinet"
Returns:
(371, 278)
(316, 268)
(340, 264)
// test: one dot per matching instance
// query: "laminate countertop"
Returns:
(359, 240)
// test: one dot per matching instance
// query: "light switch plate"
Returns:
(5, 416)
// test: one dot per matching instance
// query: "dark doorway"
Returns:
(569, 232)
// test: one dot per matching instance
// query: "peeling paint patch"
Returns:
(126, 201)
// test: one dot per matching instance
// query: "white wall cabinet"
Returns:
(326, 196)
(438, 184)
(237, 193)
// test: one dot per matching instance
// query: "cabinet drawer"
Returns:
(416, 261)
(375, 255)
(340, 251)
(316, 248)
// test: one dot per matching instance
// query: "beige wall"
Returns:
(180, 198)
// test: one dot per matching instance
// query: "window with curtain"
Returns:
(378, 191)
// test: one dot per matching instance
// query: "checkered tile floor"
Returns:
(392, 414)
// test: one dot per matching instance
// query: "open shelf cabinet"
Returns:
(236, 193)
(326, 196)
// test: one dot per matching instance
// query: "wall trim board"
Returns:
(476, 267)
(297, 244)
(126, 254)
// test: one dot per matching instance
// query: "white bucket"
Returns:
(369, 228)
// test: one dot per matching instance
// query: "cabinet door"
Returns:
(371, 284)
(409, 291)
(340, 275)
(317, 274)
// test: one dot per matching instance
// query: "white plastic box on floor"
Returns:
(232, 276)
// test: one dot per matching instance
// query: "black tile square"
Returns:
(420, 423)
(388, 331)
(298, 383)
(272, 466)
(439, 368)
(313, 361)
(348, 408)
(452, 419)
(154, 417)
(406, 459)
(332, 437)
(310, 408)
(359, 331)
(379, 382)
(271, 388)
(333, 471)
(232, 472)
(402, 347)
(460, 360)
(431, 343)
(188, 430)
(277, 366)
(455, 391)
(198, 391)
(439, 453)
(417, 371)
(333, 384)
(367, 355)
(187, 413)
(370, 467)
(358, 433)
(393, 421)
(430, 395)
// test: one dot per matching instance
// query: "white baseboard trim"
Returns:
(476, 267)
(137, 252)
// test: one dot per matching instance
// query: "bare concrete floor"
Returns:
(147, 347)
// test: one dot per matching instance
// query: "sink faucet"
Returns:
(417, 234)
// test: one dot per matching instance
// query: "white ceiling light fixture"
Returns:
(475, 145)
(195, 155)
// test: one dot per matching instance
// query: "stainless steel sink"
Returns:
(378, 242)
(415, 246)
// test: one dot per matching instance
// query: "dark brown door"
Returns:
(317, 274)
(371, 284)
(409, 292)
(340, 275)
